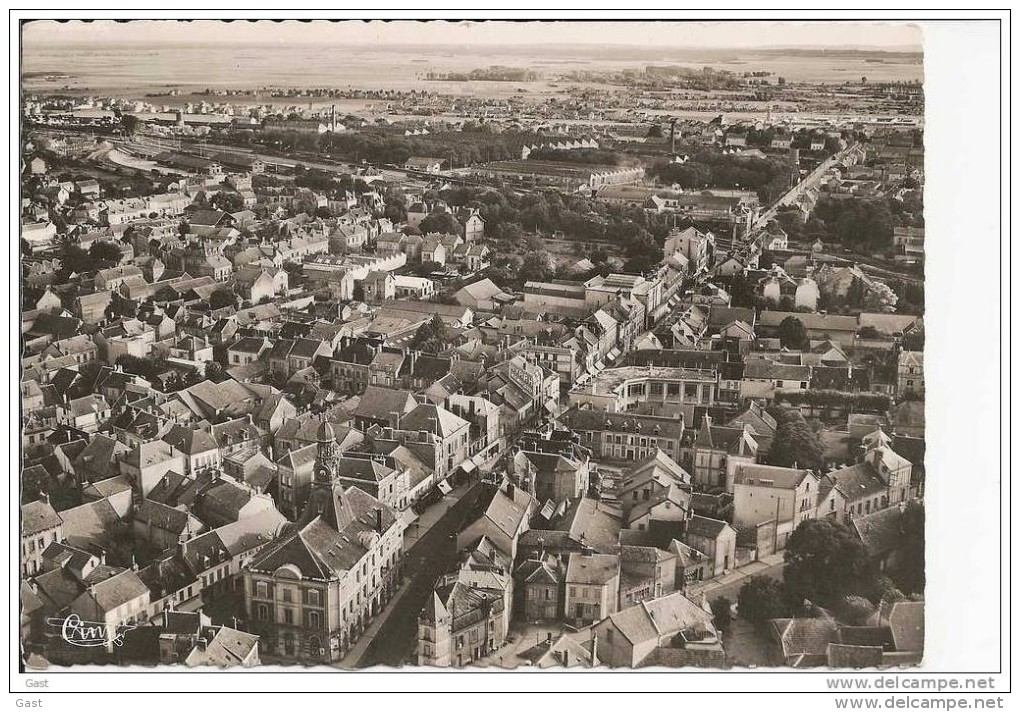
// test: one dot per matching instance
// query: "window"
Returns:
(691, 390)
(288, 616)
(313, 619)
(313, 598)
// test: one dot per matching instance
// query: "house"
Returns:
(718, 451)
(671, 631)
(910, 374)
(198, 447)
(766, 493)
(539, 584)
(225, 647)
(121, 599)
(424, 164)
(696, 247)
(506, 517)
(592, 585)
(464, 619)
(716, 540)
(40, 527)
(87, 413)
(804, 642)
(552, 476)
(482, 295)
(437, 436)
(646, 572)
(472, 224)
(625, 436)
(433, 250)
(147, 463)
(653, 482)
(382, 406)
(841, 329)
(378, 286)
(851, 491)
(247, 350)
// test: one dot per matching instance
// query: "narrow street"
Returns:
(729, 585)
(430, 551)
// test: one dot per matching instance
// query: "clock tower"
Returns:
(327, 455)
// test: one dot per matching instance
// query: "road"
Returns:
(811, 181)
(730, 584)
(393, 635)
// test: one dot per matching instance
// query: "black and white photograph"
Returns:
(502, 345)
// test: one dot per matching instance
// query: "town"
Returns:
(626, 375)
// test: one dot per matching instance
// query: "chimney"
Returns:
(594, 648)
(510, 489)
(378, 520)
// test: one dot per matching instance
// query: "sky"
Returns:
(893, 36)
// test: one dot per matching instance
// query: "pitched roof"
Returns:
(805, 636)
(592, 569)
(38, 516)
(769, 476)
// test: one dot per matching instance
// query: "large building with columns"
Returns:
(649, 390)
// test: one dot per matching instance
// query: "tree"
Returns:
(441, 222)
(130, 124)
(909, 574)
(792, 334)
(654, 131)
(855, 610)
(795, 444)
(825, 562)
(536, 266)
(222, 298)
(880, 298)
(228, 202)
(762, 599)
(147, 368)
(431, 336)
(103, 251)
(721, 612)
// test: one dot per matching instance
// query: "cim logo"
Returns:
(89, 634)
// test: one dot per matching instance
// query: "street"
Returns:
(431, 551)
(729, 584)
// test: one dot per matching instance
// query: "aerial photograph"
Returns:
(474, 344)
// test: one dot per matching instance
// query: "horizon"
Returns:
(648, 35)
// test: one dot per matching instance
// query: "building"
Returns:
(463, 621)
(671, 631)
(910, 374)
(718, 451)
(648, 390)
(592, 586)
(766, 493)
(624, 436)
(571, 177)
(716, 540)
(40, 527)
(311, 593)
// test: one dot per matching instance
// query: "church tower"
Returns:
(327, 456)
